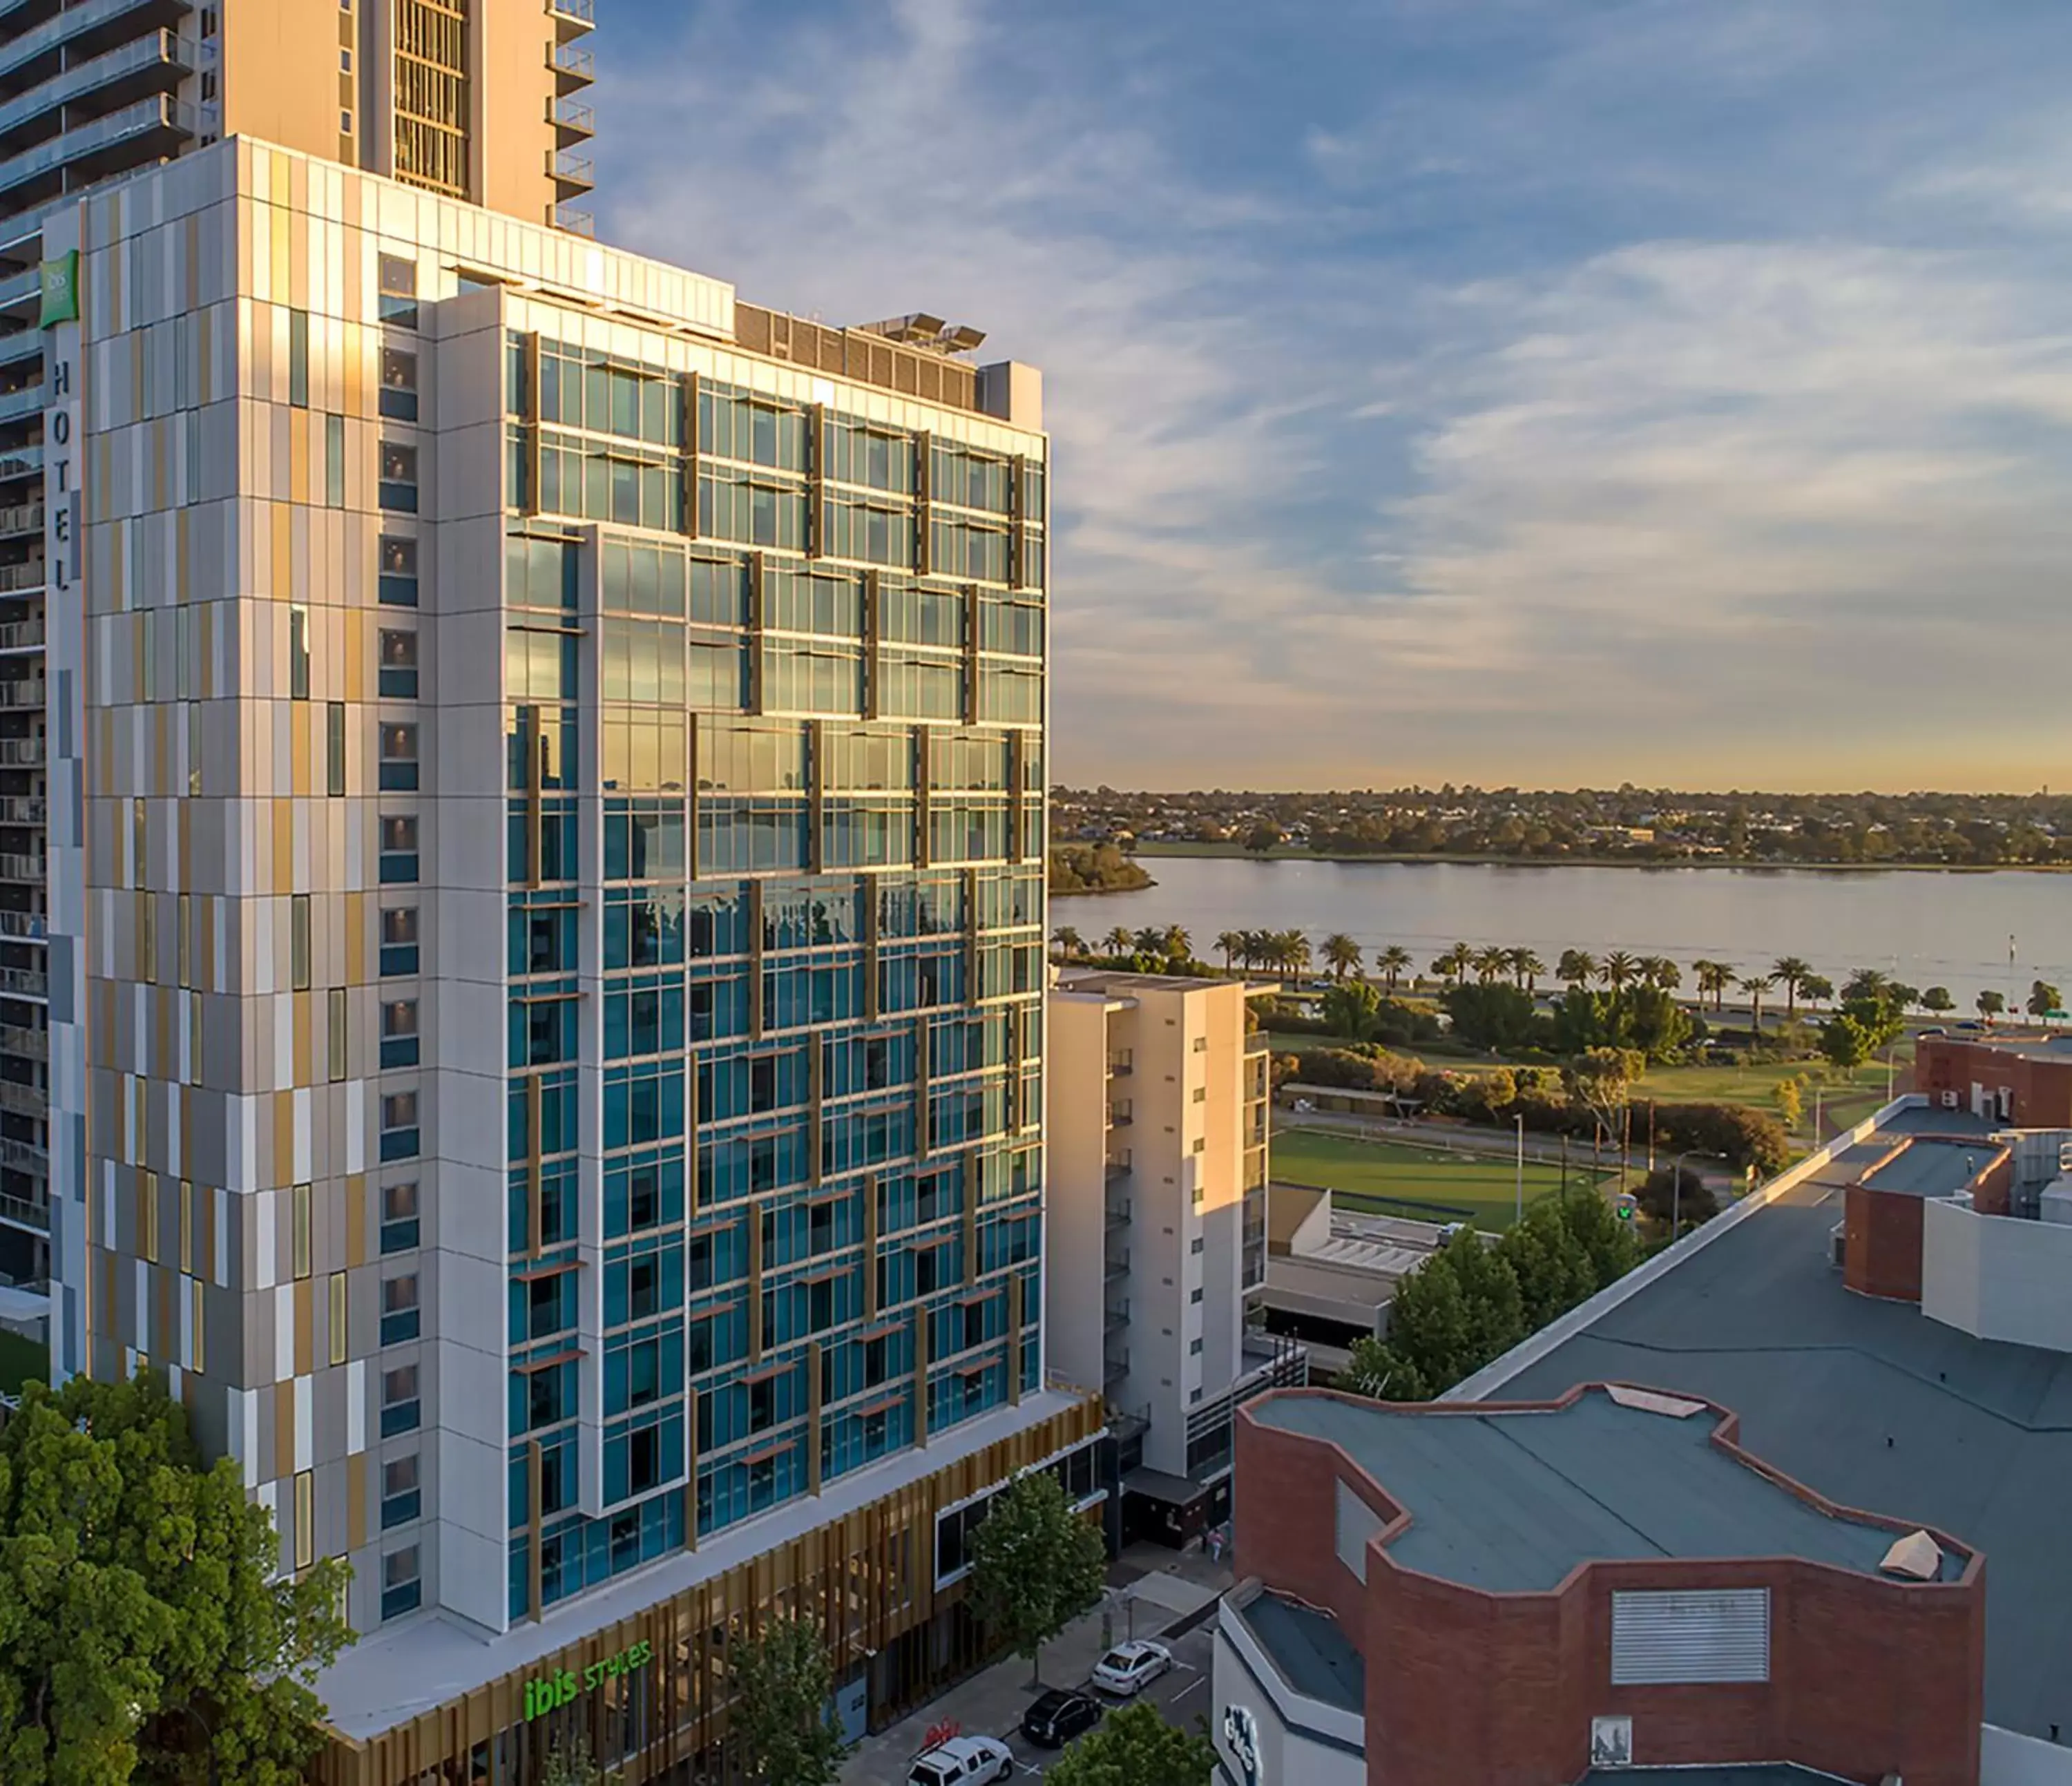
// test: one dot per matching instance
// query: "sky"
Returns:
(1529, 392)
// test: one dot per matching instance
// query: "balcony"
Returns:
(26, 926)
(1116, 1168)
(574, 66)
(571, 173)
(26, 691)
(83, 20)
(1116, 1213)
(156, 125)
(18, 406)
(24, 871)
(19, 518)
(572, 119)
(26, 1156)
(571, 18)
(23, 462)
(21, 753)
(27, 1044)
(154, 63)
(1114, 1370)
(24, 1100)
(576, 220)
(1121, 1066)
(21, 635)
(24, 982)
(18, 579)
(32, 1214)
(1115, 1268)
(1257, 1042)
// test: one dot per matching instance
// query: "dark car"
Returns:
(1056, 1716)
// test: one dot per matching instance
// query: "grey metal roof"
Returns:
(1929, 1166)
(1309, 1648)
(1876, 1406)
(1512, 1502)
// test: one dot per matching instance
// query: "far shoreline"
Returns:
(1238, 853)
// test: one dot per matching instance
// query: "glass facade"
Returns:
(775, 838)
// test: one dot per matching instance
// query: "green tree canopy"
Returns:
(1351, 1008)
(784, 1712)
(1492, 1015)
(141, 1603)
(1136, 1747)
(1036, 1565)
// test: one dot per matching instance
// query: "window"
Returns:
(643, 1281)
(299, 654)
(1196, 1244)
(399, 384)
(334, 749)
(400, 1589)
(345, 124)
(399, 758)
(399, 850)
(299, 1226)
(399, 665)
(399, 1217)
(399, 1309)
(398, 585)
(298, 942)
(398, 491)
(398, 280)
(1195, 1293)
(336, 1027)
(399, 1407)
(1201, 1094)
(338, 1346)
(1195, 1347)
(335, 461)
(399, 1126)
(643, 1460)
(399, 940)
(299, 358)
(306, 1518)
(400, 1493)
(399, 1032)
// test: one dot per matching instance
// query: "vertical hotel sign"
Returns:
(64, 621)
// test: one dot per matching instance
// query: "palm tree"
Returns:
(1294, 949)
(1661, 972)
(1070, 943)
(1714, 977)
(1491, 963)
(1454, 964)
(1119, 942)
(1526, 968)
(1394, 962)
(1342, 954)
(1176, 944)
(1150, 941)
(1791, 975)
(1816, 989)
(1617, 969)
(1755, 986)
(1577, 967)
(1228, 943)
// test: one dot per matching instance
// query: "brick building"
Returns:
(2024, 1082)
(1525, 1592)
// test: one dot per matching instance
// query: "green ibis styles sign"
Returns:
(564, 1687)
(60, 290)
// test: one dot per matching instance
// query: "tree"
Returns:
(1790, 973)
(1601, 1080)
(1119, 940)
(138, 1587)
(1660, 1198)
(1790, 1102)
(1847, 1039)
(1036, 1566)
(1577, 967)
(1491, 964)
(1526, 968)
(2043, 998)
(1990, 1004)
(570, 1762)
(1136, 1747)
(1454, 964)
(1228, 943)
(1617, 969)
(1714, 977)
(1497, 1017)
(1263, 836)
(1394, 962)
(783, 1704)
(1755, 985)
(1071, 945)
(1816, 989)
(1865, 982)
(1342, 954)
(1937, 999)
(1350, 1010)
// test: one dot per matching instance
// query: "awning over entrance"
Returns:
(1174, 1491)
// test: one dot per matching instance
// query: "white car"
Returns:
(963, 1761)
(1129, 1668)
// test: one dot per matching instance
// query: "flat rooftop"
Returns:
(2036, 1045)
(1875, 1406)
(1309, 1649)
(1928, 1166)
(1511, 1502)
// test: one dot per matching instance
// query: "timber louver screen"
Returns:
(1705, 1635)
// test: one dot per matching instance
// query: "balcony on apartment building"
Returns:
(145, 132)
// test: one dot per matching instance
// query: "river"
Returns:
(1923, 927)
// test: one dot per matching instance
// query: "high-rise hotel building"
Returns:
(546, 912)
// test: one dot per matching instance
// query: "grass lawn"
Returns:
(21, 1360)
(1430, 1184)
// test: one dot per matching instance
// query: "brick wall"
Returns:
(2042, 1089)
(1882, 1251)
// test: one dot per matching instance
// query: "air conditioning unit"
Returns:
(1949, 1100)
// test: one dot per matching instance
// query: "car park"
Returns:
(1054, 1718)
(1129, 1668)
(963, 1761)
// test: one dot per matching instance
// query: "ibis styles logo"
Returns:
(564, 1687)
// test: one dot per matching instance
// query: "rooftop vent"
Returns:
(1917, 1556)
(1649, 1400)
(930, 333)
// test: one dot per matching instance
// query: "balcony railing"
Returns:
(573, 62)
(1116, 1168)
(159, 50)
(24, 1100)
(19, 518)
(25, 870)
(21, 635)
(581, 14)
(26, 692)
(26, 1156)
(26, 1213)
(30, 1045)
(25, 983)
(1115, 1213)
(157, 112)
(576, 220)
(29, 400)
(16, 579)
(1121, 1066)
(23, 461)
(573, 115)
(21, 753)
(22, 809)
(578, 172)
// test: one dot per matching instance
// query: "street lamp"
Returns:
(1676, 1187)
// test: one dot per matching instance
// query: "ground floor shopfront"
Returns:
(647, 1695)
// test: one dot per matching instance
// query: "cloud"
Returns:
(1524, 393)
